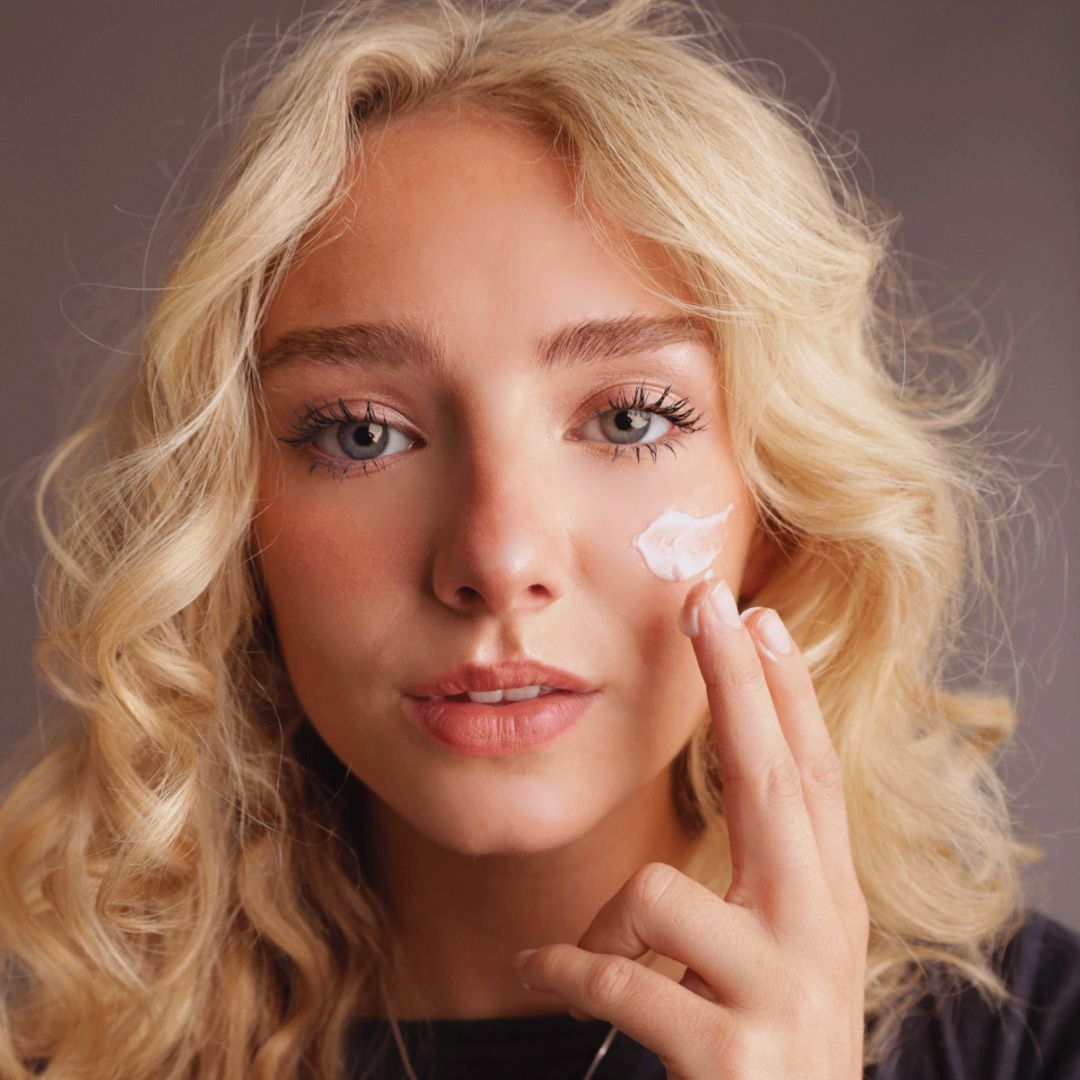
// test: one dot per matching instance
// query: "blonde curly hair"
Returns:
(181, 893)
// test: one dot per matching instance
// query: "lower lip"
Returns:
(499, 730)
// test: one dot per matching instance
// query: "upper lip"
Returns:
(504, 675)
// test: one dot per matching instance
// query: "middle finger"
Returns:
(774, 855)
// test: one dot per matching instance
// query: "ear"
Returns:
(762, 558)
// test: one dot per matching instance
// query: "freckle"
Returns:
(676, 546)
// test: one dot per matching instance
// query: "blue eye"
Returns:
(360, 438)
(633, 418)
(364, 439)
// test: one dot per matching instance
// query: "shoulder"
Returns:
(1035, 1037)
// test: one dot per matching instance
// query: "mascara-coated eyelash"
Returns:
(680, 413)
(311, 421)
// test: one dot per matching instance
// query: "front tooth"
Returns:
(493, 697)
(485, 697)
(521, 693)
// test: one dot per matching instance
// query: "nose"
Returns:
(502, 545)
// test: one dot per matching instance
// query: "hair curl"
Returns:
(181, 894)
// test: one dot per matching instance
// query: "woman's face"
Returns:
(489, 519)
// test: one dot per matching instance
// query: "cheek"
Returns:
(333, 576)
(326, 544)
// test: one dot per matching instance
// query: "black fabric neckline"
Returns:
(483, 1046)
(554, 1032)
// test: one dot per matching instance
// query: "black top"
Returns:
(959, 1038)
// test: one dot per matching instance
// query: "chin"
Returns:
(506, 824)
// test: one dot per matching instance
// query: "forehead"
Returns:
(463, 218)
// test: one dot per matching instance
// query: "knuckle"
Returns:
(743, 1047)
(778, 781)
(826, 774)
(720, 1042)
(808, 1004)
(607, 982)
(650, 884)
(783, 781)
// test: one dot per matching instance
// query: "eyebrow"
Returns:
(403, 346)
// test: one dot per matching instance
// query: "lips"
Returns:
(500, 676)
(499, 730)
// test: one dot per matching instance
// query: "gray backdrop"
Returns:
(967, 114)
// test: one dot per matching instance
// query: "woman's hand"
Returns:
(775, 970)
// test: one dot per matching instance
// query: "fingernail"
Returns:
(688, 622)
(519, 962)
(772, 633)
(723, 603)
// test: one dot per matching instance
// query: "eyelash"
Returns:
(314, 418)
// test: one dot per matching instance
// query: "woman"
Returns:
(700, 763)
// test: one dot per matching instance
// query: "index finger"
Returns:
(775, 862)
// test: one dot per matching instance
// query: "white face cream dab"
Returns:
(676, 546)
